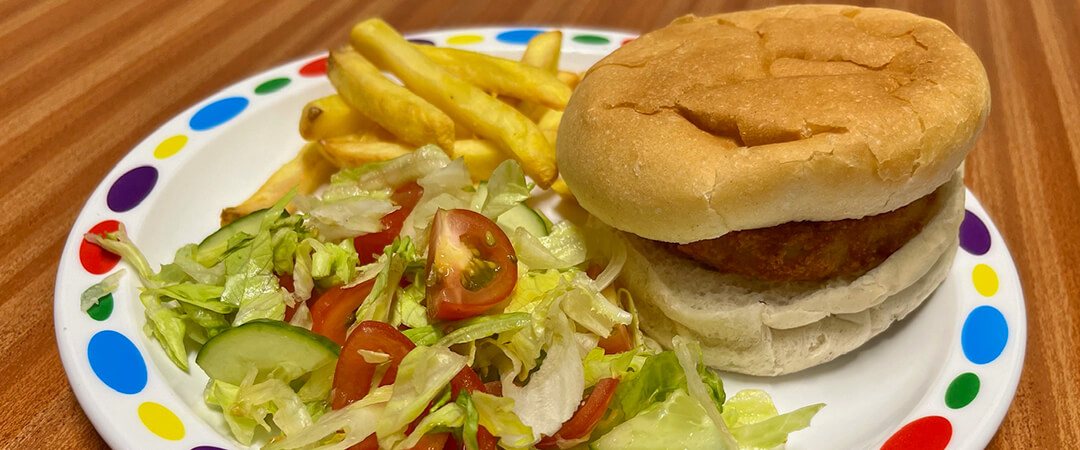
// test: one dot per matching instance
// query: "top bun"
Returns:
(756, 118)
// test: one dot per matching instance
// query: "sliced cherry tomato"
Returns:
(353, 374)
(494, 387)
(334, 311)
(471, 265)
(618, 341)
(586, 417)
(370, 246)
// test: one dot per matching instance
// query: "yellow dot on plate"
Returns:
(162, 422)
(986, 280)
(462, 39)
(170, 146)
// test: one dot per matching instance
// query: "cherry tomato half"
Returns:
(586, 417)
(353, 374)
(618, 341)
(471, 265)
(333, 312)
(370, 246)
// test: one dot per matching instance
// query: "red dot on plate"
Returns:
(95, 259)
(625, 41)
(927, 433)
(315, 68)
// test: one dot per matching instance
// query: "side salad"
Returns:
(405, 307)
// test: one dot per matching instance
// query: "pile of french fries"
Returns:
(481, 108)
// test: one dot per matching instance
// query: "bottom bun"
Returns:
(676, 296)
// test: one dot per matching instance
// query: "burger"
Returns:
(789, 181)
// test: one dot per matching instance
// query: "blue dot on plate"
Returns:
(520, 36)
(984, 334)
(217, 113)
(117, 362)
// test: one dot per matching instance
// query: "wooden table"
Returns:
(81, 82)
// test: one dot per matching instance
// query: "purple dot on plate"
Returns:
(974, 237)
(421, 41)
(131, 188)
(207, 447)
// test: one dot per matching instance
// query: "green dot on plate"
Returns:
(273, 85)
(103, 309)
(962, 390)
(591, 39)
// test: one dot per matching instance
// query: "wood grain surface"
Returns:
(81, 82)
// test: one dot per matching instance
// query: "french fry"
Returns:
(501, 76)
(395, 108)
(543, 52)
(569, 78)
(467, 104)
(549, 124)
(330, 117)
(307, 171)
(481, 157)
(353, 150)
(560, 187)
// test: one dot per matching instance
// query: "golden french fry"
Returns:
(569, 78)
(543, 51)
(549, 124)
(307, 171)
(395, 108)
(467, 104)
(560, 187)
(356, 150)
(331, 116)
(481, 157)
(501, 76)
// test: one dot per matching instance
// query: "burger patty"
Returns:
(812, 250)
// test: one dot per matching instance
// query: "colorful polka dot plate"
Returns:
(942, 378)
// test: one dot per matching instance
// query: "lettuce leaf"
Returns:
(165, 323)
(94, 293)
(345, 427)
(756, 424)
(496, 414)
(598, 365)
(678, 421)
(505, 189)
(471, 420)
(449, 415)
(689, 355)
(483, 326)
(396, 258)
(422, 375)
(206, 296)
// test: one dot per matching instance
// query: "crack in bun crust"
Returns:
(756, 118)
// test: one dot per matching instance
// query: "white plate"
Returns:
(169, 190)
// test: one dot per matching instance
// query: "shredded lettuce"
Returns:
(449, 415)
(689, 356)
(553, 392)
(119, 243)
(598, 366)
(422, 375)
(408, 308)
(756, 424)
(396, 258)
(340, 429)
(449, 187)
(480, 327)
(678, 421)
(428, 335)
(505, 189)
(496, 414)
(394, 172)
(185, 261)
(165, 323)
(92, 294)
(206, 296)
(471, 420)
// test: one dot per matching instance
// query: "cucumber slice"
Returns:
(266, 345)
(215, 245)
(522, 216)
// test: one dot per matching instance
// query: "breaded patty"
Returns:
(812, 250)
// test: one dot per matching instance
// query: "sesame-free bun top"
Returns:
(756, 118)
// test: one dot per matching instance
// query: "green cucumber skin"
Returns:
(522, 216)
(266, 344)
